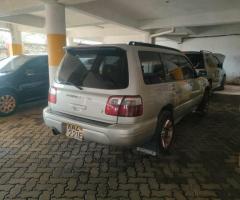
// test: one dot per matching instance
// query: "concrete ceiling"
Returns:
(74, 18)
(188, 17)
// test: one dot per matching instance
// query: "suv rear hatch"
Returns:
(87, 77)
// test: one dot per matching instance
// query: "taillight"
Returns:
(124, 106)
(52, 95)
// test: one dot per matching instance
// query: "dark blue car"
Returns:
(23, 79)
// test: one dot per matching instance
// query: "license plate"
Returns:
(74, 131)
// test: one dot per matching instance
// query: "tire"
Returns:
(165, 130)
(223, 83)
(204, 105)
(8, 103)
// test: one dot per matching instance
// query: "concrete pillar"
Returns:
(147, 38)
(15, 47)
(56, 36)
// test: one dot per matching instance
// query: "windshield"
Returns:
(103, 68)
(12, 63)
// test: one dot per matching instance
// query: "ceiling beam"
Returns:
(25, 19)
(177, 39)
(188, 30)
(108, 13)
(203, 19)
(23, 11)
(227, 29)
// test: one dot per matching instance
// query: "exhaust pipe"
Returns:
(55, 132)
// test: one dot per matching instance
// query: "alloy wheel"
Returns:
(7, 104)
(167, 134)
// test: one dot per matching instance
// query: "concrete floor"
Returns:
(230, 90)
(205, 162)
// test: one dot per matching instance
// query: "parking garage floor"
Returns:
(205, 162)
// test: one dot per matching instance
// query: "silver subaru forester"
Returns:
(124, 94)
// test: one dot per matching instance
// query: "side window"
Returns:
(30, 68)
(41, 63)
(196, 59)
(186, 67)
(152, 67)
(174, 70)
(37, 65)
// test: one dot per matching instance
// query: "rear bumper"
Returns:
(112, 134)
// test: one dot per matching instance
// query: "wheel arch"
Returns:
(169, 107)
(11, 90)
(13, 93)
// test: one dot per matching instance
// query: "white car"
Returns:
(210, 66)
(124, 94)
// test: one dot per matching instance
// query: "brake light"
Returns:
(124, 106)
(52, 95)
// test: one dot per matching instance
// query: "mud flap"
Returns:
(150, 147)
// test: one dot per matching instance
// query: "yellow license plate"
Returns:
(74, 131)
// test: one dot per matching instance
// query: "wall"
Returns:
(126, 39)
(167, 42)
(108, 34)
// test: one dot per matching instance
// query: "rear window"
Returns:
(103, 68)
(196, 59)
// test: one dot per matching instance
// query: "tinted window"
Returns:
(174, 71)
(42, 63)
(104, 68)
(186, 67)
(38, 65)
(152, 67)
(196, 59)
(178, 67)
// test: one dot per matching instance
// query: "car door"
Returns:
(34, 83)
(190, 77)
(158, 91)
(182, 88)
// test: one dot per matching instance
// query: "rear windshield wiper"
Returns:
(70, 83)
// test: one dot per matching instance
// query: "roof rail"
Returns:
(133, 43)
